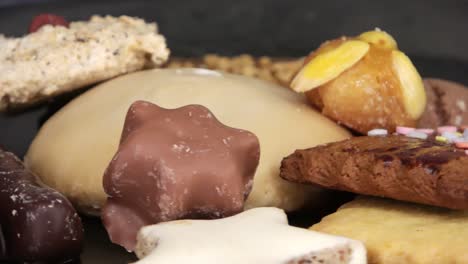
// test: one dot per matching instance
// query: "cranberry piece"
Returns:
(47, 19)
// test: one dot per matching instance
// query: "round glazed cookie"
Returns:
(73, 148)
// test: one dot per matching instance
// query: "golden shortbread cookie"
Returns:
(398, 232)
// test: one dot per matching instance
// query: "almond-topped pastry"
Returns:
(363, 82)
(405, 168)
(57, 59)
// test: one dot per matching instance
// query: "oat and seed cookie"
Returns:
(57, 59)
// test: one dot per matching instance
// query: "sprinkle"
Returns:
(466, 152)
(458, 120)
(404, 130)
(416, 134)
(456, 140)
(377, 132)
(441, 139)
(461, 105)
(426, 131)
(463, 145)
(451, 135)
(443, 129)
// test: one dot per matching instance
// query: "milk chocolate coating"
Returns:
(175, 164)
(398, 167)
(37, 224)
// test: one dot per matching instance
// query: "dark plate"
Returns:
(433, 32)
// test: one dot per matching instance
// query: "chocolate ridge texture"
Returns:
(398, 167)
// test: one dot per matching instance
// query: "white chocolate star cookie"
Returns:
(260, 235)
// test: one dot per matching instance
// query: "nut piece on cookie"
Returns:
(363, 82)
(260, 235)
(379, 38)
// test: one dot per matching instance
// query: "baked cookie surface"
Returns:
(398, 232)
(403, 168)
(57, 59)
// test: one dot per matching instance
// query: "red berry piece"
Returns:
(47, 19)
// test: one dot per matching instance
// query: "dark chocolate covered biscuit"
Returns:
(398, 167)
(37, 224)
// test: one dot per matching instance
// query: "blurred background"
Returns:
(428, 28)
